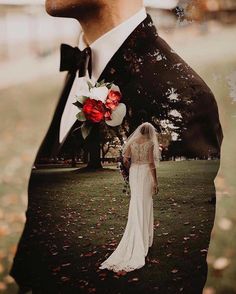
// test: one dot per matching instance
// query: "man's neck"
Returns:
(105, 20)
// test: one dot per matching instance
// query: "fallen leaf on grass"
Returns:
(121, 273)
(156, 225)
(204, 250)
(4, 230)
(66, 264)
(225, 224)
(88, 254)
(1, 268)
(156, 261)
(221, 263)
(2, 254)
(65, 279)
(2, 286)
(102, 275)
(56, 269)
(133, 280)
(209, 290)
(174, 271)
(186, 238)
(112, 244)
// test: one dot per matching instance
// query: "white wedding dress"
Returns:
(138, 234)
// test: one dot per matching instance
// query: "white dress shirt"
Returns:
(103, 50)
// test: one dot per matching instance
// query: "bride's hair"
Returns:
(145, 130)
(150, 132)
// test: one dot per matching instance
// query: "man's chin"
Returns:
(56, 11)
(78, 10)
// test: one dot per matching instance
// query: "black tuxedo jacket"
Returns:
(147, 71)
(156, 84)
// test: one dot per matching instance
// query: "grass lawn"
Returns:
(79, 217)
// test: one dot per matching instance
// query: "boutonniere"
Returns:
(100, 103)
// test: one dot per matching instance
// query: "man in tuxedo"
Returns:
(120, 43)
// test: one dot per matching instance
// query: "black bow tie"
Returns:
(73, 59)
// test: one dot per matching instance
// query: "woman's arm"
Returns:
(154, 173)
(153, 168)
(126, 156)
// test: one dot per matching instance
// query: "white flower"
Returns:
(83, 90)
(99, 93)
(117, 115)
(115, 88)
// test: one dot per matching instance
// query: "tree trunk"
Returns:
(93, 146)
(73, 156)
(73, 161)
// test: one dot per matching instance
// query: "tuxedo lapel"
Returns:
(50, 144)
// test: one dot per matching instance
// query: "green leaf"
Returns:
(80, 116)
(109, 85)
(99, 84)
(81, 99)
(90, 85)
(78, 104)
(85, 130)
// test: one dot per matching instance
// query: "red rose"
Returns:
(107, 114)
(113, 99)
(94, 110)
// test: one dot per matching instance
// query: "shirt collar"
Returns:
(106, 46)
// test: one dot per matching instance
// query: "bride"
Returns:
(143, 150)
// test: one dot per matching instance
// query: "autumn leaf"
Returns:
(221, 263)
(133, 280)
(65, 279)
(121, 273)
(88, 254)
(3, 286)
(156, 261)
(66, 264)
(174, 271)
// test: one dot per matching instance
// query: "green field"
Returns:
(83, 215)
